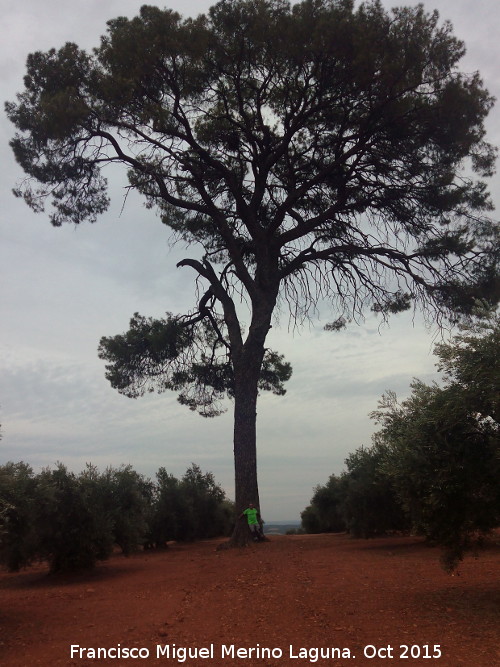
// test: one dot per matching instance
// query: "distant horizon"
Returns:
(291, 522)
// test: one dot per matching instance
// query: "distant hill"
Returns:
(280, 527)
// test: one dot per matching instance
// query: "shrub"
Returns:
(18, 491)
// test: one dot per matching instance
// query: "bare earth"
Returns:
(294, 595)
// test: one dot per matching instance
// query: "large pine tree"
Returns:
(311, 151)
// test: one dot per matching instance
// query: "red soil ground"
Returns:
(310, 592)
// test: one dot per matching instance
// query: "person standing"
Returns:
(254, 520)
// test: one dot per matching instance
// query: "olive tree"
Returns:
(442, 444)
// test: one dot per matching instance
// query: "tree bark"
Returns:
(247, 367)
(245, 455)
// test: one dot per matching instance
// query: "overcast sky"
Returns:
(62, 289)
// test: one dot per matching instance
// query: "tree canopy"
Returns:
(72, 521)
(309, 151)
(443, 444)
(434, 465)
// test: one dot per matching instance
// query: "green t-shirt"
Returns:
(251, 515)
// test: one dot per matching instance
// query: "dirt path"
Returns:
(278, 603)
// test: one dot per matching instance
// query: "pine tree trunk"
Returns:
(245, 457)
(247, 373)
(247, 366)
